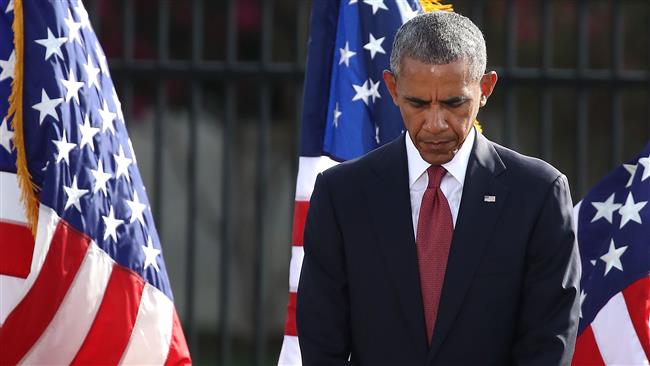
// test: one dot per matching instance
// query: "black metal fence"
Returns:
(214, 87)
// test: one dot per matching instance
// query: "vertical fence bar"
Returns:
(300, 40)
(582, 110)
(223, 331)
(617, 98)
(127, 41)
(546, 104)
(93, 14)
(477, 13)
(261, 183)
(223, 357)
(195, 106)
(127, 58)
(510, 100)
(301, 30)
(159, 121)
(129, 29)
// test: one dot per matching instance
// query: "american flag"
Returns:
(90, 286)
(347, 109)
(613, 232)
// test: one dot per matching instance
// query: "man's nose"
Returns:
(435, 120)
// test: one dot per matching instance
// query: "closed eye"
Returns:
(417, 102)
(455, 102)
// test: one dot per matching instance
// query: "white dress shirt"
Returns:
(451, 184)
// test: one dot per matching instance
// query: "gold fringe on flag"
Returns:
(27, 187)
(478, 126)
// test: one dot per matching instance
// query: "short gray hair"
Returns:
(439, 38)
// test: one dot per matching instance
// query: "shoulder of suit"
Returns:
(526, 168)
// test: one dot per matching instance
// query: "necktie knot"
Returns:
(435, 172)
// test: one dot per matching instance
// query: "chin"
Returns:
(438, 156)
(439, 159)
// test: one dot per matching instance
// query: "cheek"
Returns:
(412, 120)
(462, 123)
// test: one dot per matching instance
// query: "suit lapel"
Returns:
(475, 223)
(390, 210)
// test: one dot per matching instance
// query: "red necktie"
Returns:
(435, 231)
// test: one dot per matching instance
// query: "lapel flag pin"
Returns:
(490, 199)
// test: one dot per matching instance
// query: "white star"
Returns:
(111, 225)
(352, 2)
(630, 210)
(10, 7)
(52, 44)
(376, 5)
(377, 133)
(102, 59)
(361, 92)
(82, 14)
(631, 168)
(118, 106)
(72, 87)
(6, 135)
(605, 209)
(87, 134)
(73, 28)
(107, 119)
(645, 163)
(137, 208)
(612, 258)
(122, 165)
(337, 115)
(346, 54)
(74, 195)
(150, 255)
(91, 74)
(374, 46)
(583, 295)
(47, 107)
(593, 262)
(8, 66)
(64, 148)
(101, 178)
(373, 90)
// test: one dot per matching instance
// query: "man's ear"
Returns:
(391, 84)
(488, 81)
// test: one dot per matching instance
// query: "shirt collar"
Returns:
(457, 166)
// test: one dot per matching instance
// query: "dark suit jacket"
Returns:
(510, 294)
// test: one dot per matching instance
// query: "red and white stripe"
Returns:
(620, 332)
(16, 257)
(308, 170)
(70, 303)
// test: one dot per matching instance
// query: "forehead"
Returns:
(417, 74)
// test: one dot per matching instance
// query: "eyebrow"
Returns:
(451, 100)
(417, 100)
(455, 100)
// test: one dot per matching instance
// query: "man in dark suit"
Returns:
(440, 247)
